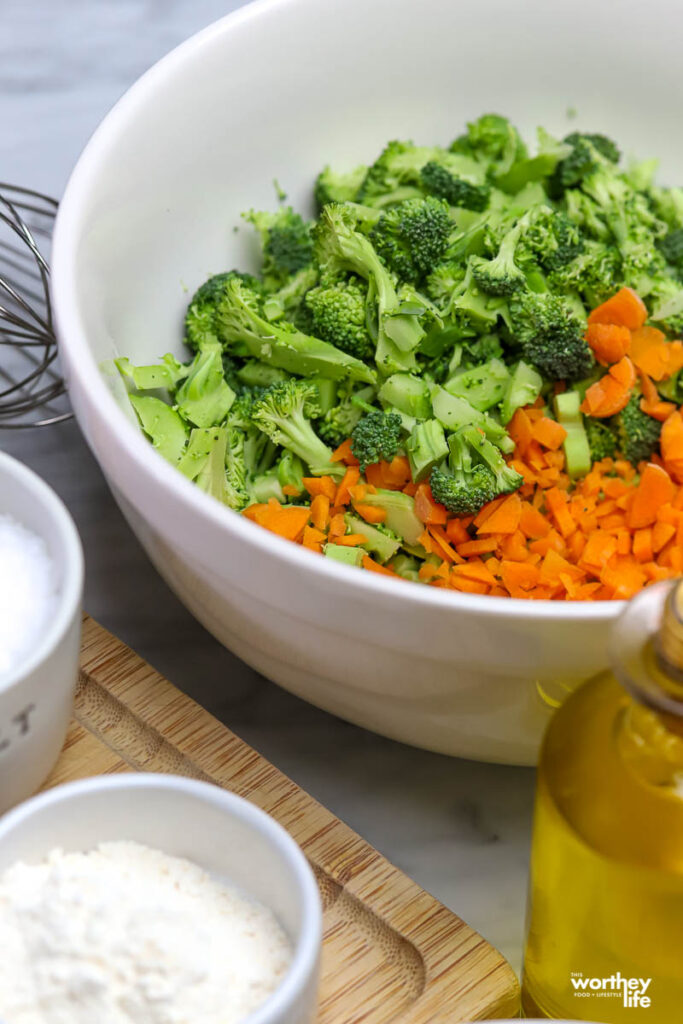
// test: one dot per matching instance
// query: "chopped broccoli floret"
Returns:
(551, 239)
(637, 433)
(551, 335)
(602, 440)
(501, 275)
(412, 237)
(337, 424)
(494, 141)
(338, 315)
(671, 248)
(376, 437)
(489, 455)
(240, 323)
(340, 248)
(396, 174)
(588, 151)
(338, 186)
(438, 181)
(595, 273)
(283, 412)
(463, 485)
(286, 241)
(288, 300)
(201, 326)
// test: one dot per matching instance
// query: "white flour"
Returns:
(128, 935)
(27, 592)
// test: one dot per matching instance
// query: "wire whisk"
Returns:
(32, 393)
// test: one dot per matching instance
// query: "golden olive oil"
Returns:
(605, 915)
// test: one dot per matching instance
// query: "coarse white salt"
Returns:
(28, 592)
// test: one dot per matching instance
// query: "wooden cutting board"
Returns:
(391, 951)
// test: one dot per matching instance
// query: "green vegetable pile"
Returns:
(438, 290)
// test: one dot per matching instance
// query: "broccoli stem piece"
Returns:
(282, 412)
(482, 386)
(266, 486)
(204, 398)
(408, 394)
(166, 375)
(507, 479)
(426, 447)
(162, 424)
(256, 374)
(345, 555)
(401, 517)
(523, 388)
(454, 412)
(284, 347)
(576, 447)
(378, 541)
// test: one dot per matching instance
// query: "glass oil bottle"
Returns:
(605, 912)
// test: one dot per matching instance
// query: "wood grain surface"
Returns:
(391, 951)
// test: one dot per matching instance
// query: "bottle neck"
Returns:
(649, 663)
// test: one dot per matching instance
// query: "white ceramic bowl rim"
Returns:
(72, 583)
(64, 290)
(307, 948)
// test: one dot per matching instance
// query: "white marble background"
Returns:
(459, 828)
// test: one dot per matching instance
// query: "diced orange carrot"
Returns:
(427, 510)
(519, 575)
(456, 532)
(556, 502)
(321, 485)
(520, 430)
(505, 519)
(373, 566)
(655, 489)
(320, 511)
(350, 479)
(344, 454)
(642, 544)
(477, 547)
(609, 342)
(370, 513)
(549, 433)
(532, 523)
(626, 309)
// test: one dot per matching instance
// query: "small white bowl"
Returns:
(230, 838)
(36, 699)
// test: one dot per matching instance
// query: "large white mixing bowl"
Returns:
(278, 89)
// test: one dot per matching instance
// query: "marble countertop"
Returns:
(459, 828)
